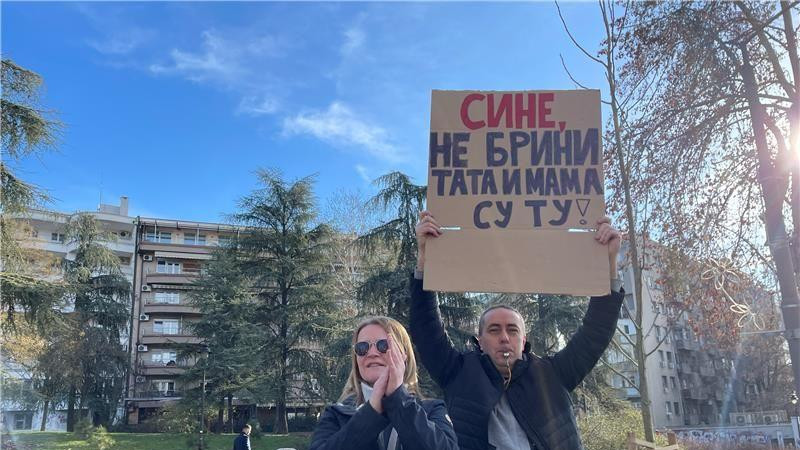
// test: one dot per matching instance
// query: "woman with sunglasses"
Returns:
(381, 407)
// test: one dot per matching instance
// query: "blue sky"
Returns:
(176, 104)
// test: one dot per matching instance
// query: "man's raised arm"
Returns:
(426, 328)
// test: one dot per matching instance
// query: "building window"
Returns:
(166, 387)
(627, 329)
(164, 357)
(677, 410)
(165, 266)
(57, 237)
(669, 407)
(173, 298)
(162, 237)
(194, 239)
(673, 382)
(669, 360)
(126, 235)
(664, 383)
(23, 421)
(225, 240)
(166, 326)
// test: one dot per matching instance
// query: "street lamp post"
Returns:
(201, 446)
(796, 419)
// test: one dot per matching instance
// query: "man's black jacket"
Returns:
(242, 442)
(538, 392)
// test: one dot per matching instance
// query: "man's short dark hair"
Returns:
(482, 321)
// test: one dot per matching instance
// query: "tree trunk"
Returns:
(220, 414)
(773, 182)
(281, 422)
(794, 131)
(230, 413)
(641, 364)
(71, 410)
(45, 412)
(633, 255)
(81, 404)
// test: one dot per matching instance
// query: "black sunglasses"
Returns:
(362, 348)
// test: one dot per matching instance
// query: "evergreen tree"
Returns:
(27, 129)
(101, 297)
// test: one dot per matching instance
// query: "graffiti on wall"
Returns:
(741, 436)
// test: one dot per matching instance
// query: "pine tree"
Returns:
(101, 297)
(283, 254)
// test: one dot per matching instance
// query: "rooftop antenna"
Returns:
(101, 191)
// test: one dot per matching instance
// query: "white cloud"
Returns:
(266, 46)
(362, 172)
(122, 42)
(339, 126)
(258, 105)
(353, 40)
(219, 60)
(234, 62)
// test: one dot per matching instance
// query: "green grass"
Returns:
(34, 440)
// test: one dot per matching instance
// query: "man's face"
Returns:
(503, 333)
(246, 431)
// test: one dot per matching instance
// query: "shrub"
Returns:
(255, 429)
(608, 429)
(100, 439)
(83, 428)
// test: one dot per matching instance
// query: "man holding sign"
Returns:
(483, 170)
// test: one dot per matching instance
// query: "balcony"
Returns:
(185, 276)
(149, 337)
(707, 371)
(180, 308)
(627, 393)
(152, 246)
(686, 344)
(692, 393)
(120, 246)
(161, 369)
(148, 395)
(625, 341)
(691, 420)
(625, 366)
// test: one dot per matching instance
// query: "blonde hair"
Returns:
(396, 330)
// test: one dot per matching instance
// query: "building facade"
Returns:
(48, 234)
(692, 384)
(170, 255)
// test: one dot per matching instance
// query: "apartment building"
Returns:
(664, 381)
(170, 255)
(691, 384)
(47, 233)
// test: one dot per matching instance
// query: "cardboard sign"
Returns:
(516, 180)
